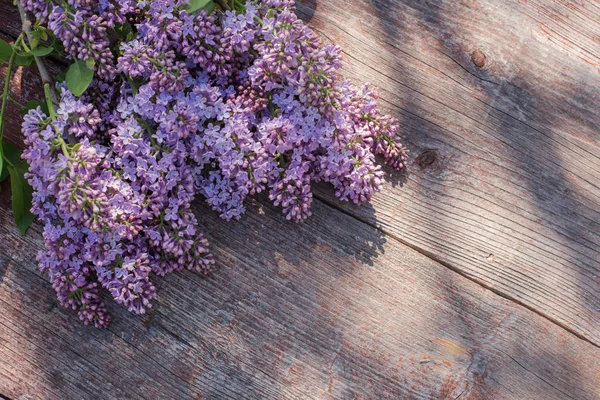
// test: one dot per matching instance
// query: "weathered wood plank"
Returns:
(504, 184)
(332, 308)
(11, 22)
(299, 314)
(327, 309)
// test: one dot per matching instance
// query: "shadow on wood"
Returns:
(335, 307)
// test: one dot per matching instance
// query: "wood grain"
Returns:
(335, 308)
(499, 103)
(310, 311)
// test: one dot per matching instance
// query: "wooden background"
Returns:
(474, 276)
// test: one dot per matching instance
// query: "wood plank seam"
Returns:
(550, 140)
(431, 255)
(454, 269)
(182, 327)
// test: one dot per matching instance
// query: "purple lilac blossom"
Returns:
(219, 106)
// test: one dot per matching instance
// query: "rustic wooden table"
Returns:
(475, 276)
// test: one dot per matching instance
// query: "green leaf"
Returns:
(61, 77)
(79, 76)
(195, 5)
(23, 60)
(124, 30)
(6, 50)
(12, 153)
(21, 196)
(39, 32)
(40, 51)
(32, 104)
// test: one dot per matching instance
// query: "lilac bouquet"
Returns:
(169, 100)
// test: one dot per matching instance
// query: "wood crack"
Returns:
(553, 141)
(436, 69)
(466, 69)
(178, 338)
(537, 376)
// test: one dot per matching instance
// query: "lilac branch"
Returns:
(26, 27)
(47, 82)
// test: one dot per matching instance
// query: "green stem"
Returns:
(134, 89)
(150, 132)
(26, 47)
(15, 101)
(59, 137)
(48, 95)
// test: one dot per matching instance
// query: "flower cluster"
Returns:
(223, 105)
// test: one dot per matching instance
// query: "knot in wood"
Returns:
(426, 159)
(478, 58)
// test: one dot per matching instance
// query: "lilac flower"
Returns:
(219, 106)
